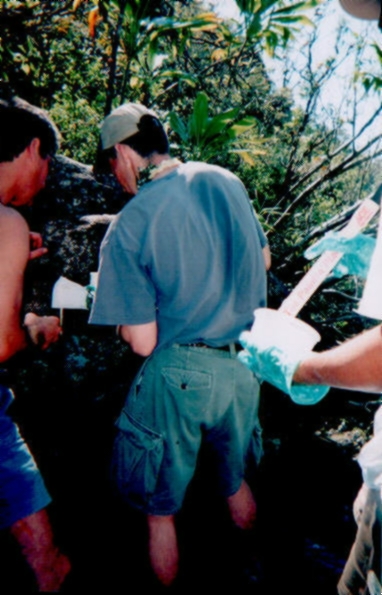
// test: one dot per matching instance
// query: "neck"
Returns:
(163, 164)
(157, 159)
(8, 182)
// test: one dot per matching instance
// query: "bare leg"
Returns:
(242, 507)
(163, 548)
(35, 537)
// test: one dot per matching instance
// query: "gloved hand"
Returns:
(277, 366)
(357, 252)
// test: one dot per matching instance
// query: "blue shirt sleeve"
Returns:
(125, 293)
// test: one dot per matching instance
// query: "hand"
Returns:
(277, 366)
(357, 252)
(42, 330)
(36, 247)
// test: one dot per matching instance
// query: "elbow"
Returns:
(3, 355)
(7, 349)
(142, 339)
(142, 348)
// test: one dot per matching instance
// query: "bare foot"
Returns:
(242, 507)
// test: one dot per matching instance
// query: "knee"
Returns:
(242, 507)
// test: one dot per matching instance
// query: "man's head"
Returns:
(20, 123)
(130, 137)
(28, 138)
(363, 9)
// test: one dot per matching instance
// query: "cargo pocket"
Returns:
(137, 457)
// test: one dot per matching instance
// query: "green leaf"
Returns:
(378, 51)
(244, 125)
(302, 20)
(179, 126)
(219, 122)
(293, 8)
(246, 156)
(179, 75)
(199, 119)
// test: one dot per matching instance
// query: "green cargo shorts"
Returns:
(181, 396)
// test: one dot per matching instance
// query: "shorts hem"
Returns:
(15, 516)
(231, 492)
(149, 510)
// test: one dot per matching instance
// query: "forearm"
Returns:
(35, 330)
(354, 365)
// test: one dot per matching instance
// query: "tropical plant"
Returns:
(274, 23)
(136, 33)
(203, 136)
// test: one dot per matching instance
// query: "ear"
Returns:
(123, 151)
(34, 147)
(127, 153)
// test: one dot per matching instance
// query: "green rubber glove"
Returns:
(277, 367)
(356, 252)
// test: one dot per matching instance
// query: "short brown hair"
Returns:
(20, 123)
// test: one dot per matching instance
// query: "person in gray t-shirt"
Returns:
(182, 268)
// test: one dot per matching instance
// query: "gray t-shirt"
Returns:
(186, 251)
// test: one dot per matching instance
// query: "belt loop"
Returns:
(232, 348)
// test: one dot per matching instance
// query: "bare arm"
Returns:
(355, 365)
(141, 337)
(14, 254)
(267, 257)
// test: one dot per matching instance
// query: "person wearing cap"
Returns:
(182, 267)
(27, 140)
(364, 9)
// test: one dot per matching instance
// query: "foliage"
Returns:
(83, 57)
(135, 33)
(272, 23)
(204, 137)
(301, 160)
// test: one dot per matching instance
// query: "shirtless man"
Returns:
(27, 141)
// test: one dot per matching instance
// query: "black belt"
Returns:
(237, 346)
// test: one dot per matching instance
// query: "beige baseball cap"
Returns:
(122, 123)
(363, 9)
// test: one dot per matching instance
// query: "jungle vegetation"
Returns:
(303, 160)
